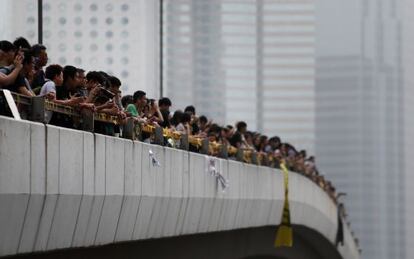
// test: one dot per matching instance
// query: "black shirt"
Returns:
(165, 117)
(39, 79)
(59, 119)
(236, 138)
(19, 82)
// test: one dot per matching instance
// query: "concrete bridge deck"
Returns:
(62, 189)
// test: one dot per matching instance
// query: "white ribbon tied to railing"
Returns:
(154, 160)
(220, 179)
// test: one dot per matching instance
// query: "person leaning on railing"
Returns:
(135, 110)
(21, 83)
(40, 61)
(152, 113)
(11, 63)
(54, 78)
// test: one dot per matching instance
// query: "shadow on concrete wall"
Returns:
(252, 243)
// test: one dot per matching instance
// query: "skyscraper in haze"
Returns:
(408, 60)
(360, 117)
(94, 35)
(244, 60)
(287, 71)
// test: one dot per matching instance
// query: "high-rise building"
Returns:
(359, 117)
(121, 39)
(239, 61)
(244, 60)
(408, 59)
(286, 72)
(192, 72)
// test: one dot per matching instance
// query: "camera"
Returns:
(103, 95)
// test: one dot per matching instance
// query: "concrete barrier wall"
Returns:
(61, 188)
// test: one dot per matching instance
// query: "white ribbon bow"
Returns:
(224, 183)
(154, 160)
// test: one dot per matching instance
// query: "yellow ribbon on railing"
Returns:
(60, 108)
(270, 158)
(148, 128)
(21, 99)
(247, 156)
(215, 146)
(198, 142)
(106, 118)
(284, 234)
(231, 150)
(171, 134)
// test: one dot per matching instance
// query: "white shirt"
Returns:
(48, 87)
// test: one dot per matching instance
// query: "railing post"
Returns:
(38, 109)
(184, 145)
(255, 159)
(128, 129)
(87, 120)
(224, 151)
(204, 146)
(158, 136)
(239, 155)
(265, 161)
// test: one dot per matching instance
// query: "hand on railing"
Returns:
(88, 106)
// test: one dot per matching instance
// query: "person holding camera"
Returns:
(153, 113)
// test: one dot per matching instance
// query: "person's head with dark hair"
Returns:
(92, 78)
(127, 99)
(140, 99)
(27, 57)
(70, 77)
(263, 140)
(203, 119)
(28, 64)
(81, 78)
(40, 54)
(212, 136)
(106, 75)
(274, 142)
(202, 123)
(225, 132)
(186, 118)
(256, 139)
(215, 128)
(303, 153)
(291, 150)
(164, 104)
(241, 126)
(177, 117)
(7, 51)
(190, 109)
(115, 81)
(149, 108)
(115, 84)
(7, 46)
(22, 43)
(55, 74)
(105, 83)
(249, 138)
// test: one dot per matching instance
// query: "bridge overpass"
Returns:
(74, 193)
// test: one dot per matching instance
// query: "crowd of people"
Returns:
(23, 70)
